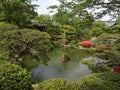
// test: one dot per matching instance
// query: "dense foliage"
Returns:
(13, 77)
(72, 13)
(68, 32)
(57, 84)
(42, 20)
(98, 28)
(118, 20)
(109, 7)
(6, 26)
(18, 12)
(116, 29)
(111, 43)
(84, 8)
(100, 81)
(95, 81)
(16, 43)
(75, 21)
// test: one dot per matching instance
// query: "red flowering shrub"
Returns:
(117, 69)
(86, 43)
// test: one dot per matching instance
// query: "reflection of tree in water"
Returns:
(64, 66)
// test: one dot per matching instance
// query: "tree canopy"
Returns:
(98, 8)
(16, 43)
(105, 7)
(18, 12)
(118, 20)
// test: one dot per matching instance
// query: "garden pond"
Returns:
(55, 68)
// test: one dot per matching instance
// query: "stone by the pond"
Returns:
(100, 62)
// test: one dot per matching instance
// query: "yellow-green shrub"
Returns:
(13, 77)
(5, 26)
(57, 84)
(100, 81)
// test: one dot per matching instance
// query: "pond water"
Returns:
(71, 70)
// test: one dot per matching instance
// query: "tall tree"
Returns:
(105, 7)
(16, 43)
(98, 8)
(17, 11)
(68, 10)
(74, 13)
(42, 20)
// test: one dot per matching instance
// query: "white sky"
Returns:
(44, 4)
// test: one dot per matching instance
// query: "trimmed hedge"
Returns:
(95, 81)
(57, 84)
(13, 77)
(100, 81)
(6, 26)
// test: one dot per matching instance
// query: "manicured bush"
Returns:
(57, 84)
(13, 77)
(86, 43)
(5, 26)
(16, 43)
(100, 81)
(116, 29)
(98, 28)
(73, 44)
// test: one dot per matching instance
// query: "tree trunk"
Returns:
(17, 55)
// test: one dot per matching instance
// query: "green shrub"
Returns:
(16, 43)
(73, 44)
(5, 26)
(113, 57)
(111, 45)
(100, 81)
(13, 77)
(57, 84)
(98, 28)
(96, 68)
(116, 29)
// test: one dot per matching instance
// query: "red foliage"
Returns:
(86, 43)
(117, 69)
(65, 40)
(101, 47)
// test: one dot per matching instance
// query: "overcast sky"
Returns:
(44, 4)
